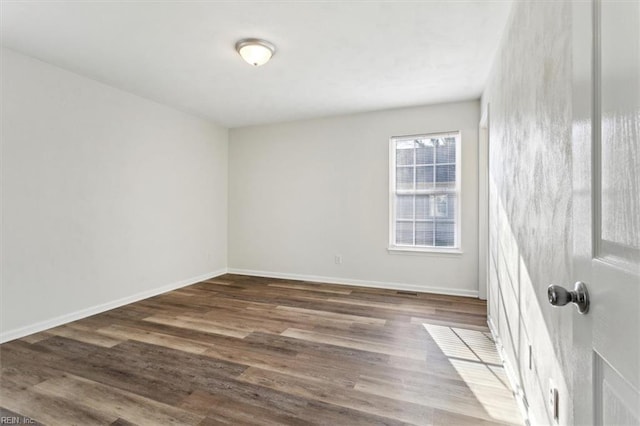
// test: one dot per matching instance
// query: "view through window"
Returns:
(425, 191)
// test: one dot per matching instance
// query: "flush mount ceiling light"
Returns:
(255, 51)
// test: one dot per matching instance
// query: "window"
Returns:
(425, 192)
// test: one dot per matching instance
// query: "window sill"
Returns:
(423, 250)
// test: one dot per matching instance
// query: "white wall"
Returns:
(302, 192)
(529, 92)
(105, 196)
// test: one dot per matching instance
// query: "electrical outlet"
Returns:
(337, 259)
(554, 402)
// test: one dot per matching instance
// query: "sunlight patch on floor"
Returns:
(474, 357)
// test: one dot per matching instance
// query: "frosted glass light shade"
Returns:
(255, 51)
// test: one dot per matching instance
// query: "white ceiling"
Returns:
(333, 57)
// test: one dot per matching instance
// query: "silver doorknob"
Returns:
(560, 296)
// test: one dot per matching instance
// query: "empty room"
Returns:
(320, 212)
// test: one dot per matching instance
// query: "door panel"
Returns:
(619, 153)
(614, 397)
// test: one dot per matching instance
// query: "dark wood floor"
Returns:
(244, 350)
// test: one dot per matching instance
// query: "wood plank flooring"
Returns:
(247, 350)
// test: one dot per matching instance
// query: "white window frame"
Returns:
(457, 247)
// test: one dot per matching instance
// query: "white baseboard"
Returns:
(83, 313)
(359, 283)
(516, 386)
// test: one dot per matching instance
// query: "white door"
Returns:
(606, 205)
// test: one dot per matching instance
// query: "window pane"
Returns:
(446, 150)
(424, 177)
(424, 207)
(404, 178)
(451, 206)
(404, 206)
(441, 206)
(404, 157)
(445, 235)
(404, 233)
(424, 153)
(424, 234)
(446, 176)
(406, 144)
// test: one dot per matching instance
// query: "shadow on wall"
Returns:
(516, 317)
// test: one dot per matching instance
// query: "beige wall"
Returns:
(106, 197)
(302, 192)
(529, 92)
